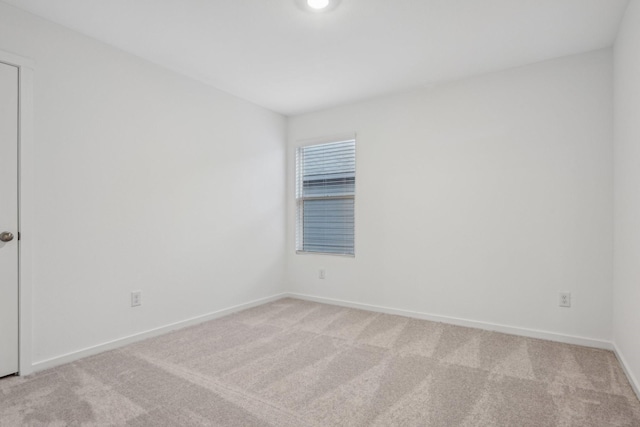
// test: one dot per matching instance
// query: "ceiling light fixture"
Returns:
(318, 4)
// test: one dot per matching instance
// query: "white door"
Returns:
(8, 219)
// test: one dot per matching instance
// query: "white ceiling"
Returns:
(275, 54)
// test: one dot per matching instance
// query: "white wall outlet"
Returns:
(136, 298)
(322, 274)
(565, 299)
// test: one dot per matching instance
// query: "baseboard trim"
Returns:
(635, 385)
(110, 345)
(531, 333)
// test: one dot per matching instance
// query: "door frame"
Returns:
(26, 68)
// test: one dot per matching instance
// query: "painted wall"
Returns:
(144, 180)
(626, 300)
(479, 199)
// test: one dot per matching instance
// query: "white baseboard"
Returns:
(625, 366)
(110, 345)
(532, 333)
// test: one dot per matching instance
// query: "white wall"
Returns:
(626, 301)
(144, 180)
(479, 199)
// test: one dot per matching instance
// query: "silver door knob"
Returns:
(6, 236)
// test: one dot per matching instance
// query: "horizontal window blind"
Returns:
(325, 194)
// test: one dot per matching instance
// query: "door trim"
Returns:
(26, 68)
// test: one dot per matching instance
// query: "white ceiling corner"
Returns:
(276, 55)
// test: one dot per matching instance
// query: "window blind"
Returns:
(325, 195)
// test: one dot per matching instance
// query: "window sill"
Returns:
(324, 253)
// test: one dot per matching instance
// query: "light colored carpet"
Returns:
(298, 363)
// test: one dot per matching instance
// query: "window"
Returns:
(325, 197)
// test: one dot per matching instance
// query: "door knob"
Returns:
(6, 236)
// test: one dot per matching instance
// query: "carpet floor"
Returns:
(299, 363)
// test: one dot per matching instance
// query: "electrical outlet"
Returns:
(322, 274)
(565, 299)
(136, 298)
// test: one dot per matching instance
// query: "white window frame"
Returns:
(299, 223)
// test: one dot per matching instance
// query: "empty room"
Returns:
(320, 213)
